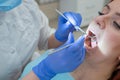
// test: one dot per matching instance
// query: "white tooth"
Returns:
(93, 43)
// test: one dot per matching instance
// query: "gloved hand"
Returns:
(65, 60)
(67, 26)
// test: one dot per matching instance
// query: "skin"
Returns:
(52, 40)
(31, 76)
(101, 60)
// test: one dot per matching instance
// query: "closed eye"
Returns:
(116, 25)
(100, 13)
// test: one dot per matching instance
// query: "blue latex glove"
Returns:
(67, 26)
(65, 60)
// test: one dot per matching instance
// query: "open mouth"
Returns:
(90, 40)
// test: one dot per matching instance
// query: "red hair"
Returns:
(116, 74)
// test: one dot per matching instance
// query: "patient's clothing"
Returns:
(20, 31)
(28, 68)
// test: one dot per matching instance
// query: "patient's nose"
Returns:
(100, 20)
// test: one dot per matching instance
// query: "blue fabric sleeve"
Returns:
(28, 68)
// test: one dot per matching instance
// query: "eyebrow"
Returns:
(108, 6)
(117, 13)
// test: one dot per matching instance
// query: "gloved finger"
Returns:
(66, 23)
(69, 41)
(81, 57)
(78, 19)
(74, 18)
(71, 21)
(78, 44)
(62, 20)
(69, 27)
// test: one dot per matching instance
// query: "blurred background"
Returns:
(88, 8)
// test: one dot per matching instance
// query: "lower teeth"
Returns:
(93, 42)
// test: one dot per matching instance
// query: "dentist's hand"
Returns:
(65, 60)
(67, 26)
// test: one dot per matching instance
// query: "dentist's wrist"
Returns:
(60, 37)
(43, 72)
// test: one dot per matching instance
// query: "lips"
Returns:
(90, 42)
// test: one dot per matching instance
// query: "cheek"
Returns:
(108, 43)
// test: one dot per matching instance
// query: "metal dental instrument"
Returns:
(60, 13)
(59, 49)
(76, 27)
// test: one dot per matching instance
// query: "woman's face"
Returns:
(106, 28)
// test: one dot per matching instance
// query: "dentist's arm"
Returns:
(31, 76)
(65, 60)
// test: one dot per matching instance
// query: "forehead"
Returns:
(115, 4)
